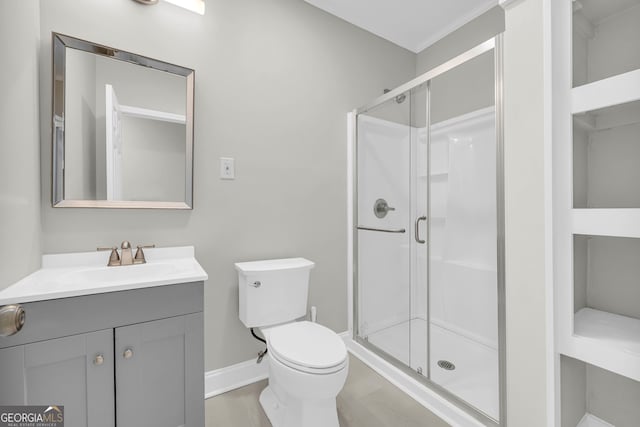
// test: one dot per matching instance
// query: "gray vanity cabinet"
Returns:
(75, 371)
(138, 354)
(157, 367)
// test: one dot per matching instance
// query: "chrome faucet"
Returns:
(126, 257)
(139, 258)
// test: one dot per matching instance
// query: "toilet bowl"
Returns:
(308, 367)
(308, 362)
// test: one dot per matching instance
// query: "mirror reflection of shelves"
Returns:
(145, 113)
(130, 149)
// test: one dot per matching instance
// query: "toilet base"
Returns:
(322, 413)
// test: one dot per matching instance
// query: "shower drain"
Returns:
(445, 364)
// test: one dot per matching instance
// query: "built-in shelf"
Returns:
(596, 243)
(615, 90)
(596, 397)
(607, 222)
(612, 330)
(604, 39)
(606, 155)
(607, 340)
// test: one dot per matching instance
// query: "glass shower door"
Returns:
(383, 227)
(463, 283)
(426, 245)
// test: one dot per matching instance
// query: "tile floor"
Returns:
(367, 400)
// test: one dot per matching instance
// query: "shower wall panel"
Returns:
(463, 226)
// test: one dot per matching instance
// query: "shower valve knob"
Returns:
(381, 208)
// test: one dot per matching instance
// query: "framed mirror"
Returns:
(122, 129)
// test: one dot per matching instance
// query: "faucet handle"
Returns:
(139, 258)
(114, 258)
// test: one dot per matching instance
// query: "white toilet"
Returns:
(308, 362)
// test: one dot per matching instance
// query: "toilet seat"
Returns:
(307, 347)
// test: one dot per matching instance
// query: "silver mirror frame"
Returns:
(59, 44)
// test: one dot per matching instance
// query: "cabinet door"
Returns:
(160, 373)
(65, 371)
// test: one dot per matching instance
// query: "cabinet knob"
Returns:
(98, 360)
(128, 353)
(11, 319)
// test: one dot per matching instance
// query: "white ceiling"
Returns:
(412, 24)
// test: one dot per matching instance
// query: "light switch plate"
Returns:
(227, 168)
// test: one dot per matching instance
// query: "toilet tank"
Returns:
(273, 291)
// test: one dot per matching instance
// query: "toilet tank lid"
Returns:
(274, 264)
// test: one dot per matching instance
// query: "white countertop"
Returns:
(86, 273)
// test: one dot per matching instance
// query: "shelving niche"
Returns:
(595, 397)
(606, 321)
(597, 211)
(606, 155)
(605, 39)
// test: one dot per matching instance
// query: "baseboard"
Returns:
(235, 376)
(239, 375)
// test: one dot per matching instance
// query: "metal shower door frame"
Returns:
(495, 44)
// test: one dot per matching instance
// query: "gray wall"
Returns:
(19, 148)
(274, 80)
(470, 86)
(472, 34)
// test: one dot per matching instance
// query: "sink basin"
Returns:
(86, 273)
(113, 275)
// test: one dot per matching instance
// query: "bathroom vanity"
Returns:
(117, 346)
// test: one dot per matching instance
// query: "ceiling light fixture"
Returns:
(196, 6)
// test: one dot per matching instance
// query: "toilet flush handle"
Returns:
(256, 284)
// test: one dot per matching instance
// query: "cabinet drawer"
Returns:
(71, 316)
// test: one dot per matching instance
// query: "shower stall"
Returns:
(428, 273)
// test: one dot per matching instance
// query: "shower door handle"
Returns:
(417, 229)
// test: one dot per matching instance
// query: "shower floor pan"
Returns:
(475, 376)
